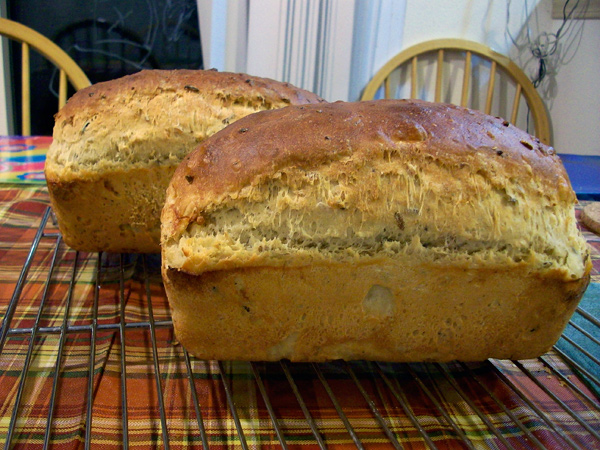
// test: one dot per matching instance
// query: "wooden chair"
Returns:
(68, 69)
(491, 82)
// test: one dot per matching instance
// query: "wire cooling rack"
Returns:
(88, 359)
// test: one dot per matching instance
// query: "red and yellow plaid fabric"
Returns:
(451, 403)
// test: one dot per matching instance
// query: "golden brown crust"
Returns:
(391, 311)
(225, 86)
(313, 135)
(392, 230)
(112, 135)
(119, 213)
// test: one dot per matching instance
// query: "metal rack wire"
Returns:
(557, 395)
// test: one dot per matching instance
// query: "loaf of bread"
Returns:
(116, 145)
(384, 230)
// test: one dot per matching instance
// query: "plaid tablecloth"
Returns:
(22, 159)
(144, 397)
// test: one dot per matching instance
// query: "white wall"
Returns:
(572, 88)
(370, 32)
(575, 108)
(481, 21)
(572, 94)
(364, 34)
(378, 33)
(331, 47)
(223, 33)
(306, 43)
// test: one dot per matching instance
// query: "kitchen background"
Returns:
(332, 47)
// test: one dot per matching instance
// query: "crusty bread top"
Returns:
(335, 176)
(105, 126)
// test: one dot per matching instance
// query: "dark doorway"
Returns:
(108, 39)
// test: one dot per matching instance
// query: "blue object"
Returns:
(590, 303)
(584, 173)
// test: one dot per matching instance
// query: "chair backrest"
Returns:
(491, 82)
(68, 69)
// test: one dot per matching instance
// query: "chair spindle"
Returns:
(62, 89)
(484, 97)
(25, 90)
(413, 78)
(466, 78)
(490, 92)
(516, 101)
(387, 88)
(438, 78)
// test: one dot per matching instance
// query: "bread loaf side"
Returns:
(391, 230)
(116, 145)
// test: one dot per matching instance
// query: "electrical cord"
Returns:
(546, 44)
(543, 50)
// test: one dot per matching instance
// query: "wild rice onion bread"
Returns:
(116, 145)
(383, 230)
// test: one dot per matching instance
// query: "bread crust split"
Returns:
(116, 145)
(385, 230)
